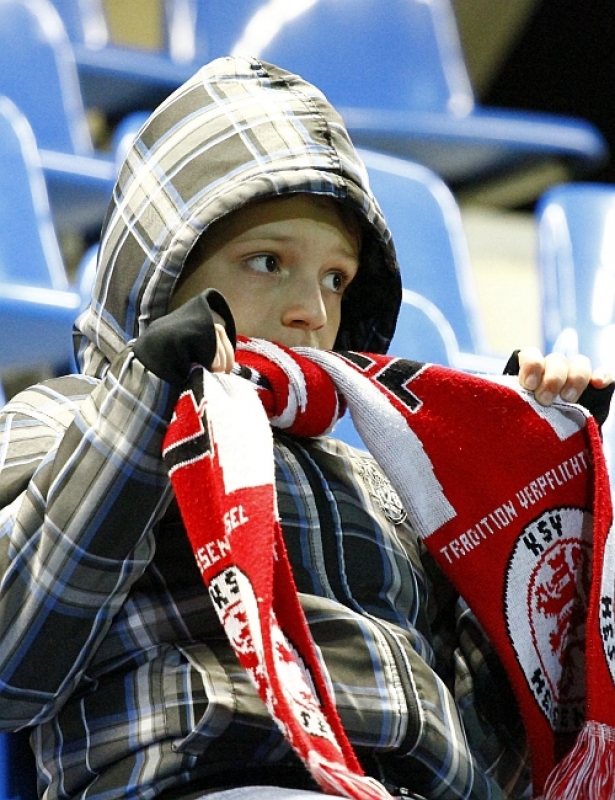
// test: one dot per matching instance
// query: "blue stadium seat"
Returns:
(37, 310)
(397, 73)
(576, 256)
(125, 132)
(431, 246)
(37, 306)
(217, 31)
(439, 321)
(37, 72)
(576, 260)
(119, 78)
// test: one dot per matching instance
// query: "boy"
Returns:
(243, 181)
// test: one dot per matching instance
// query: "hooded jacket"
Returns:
(239, 131)
(110, 649)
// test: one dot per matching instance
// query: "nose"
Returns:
(305, 308)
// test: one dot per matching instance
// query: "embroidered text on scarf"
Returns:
(511, 498)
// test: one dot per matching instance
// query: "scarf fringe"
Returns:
(588, 770)
(341, 783)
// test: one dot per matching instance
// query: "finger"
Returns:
(547, 375)
(563, 377)
(531, 367)
(601, 378)
(225, 356)
(227, 348)
(577, 379)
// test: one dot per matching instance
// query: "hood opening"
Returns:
(239, 130)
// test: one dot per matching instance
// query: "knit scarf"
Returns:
(511, 498)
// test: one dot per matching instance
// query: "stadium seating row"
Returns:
(399, 78)
(395, 69)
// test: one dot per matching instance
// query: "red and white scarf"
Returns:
(510, 497)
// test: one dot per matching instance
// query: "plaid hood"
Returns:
(239, 130)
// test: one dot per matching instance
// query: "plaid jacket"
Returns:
(109, 647)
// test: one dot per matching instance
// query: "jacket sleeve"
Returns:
(81, 485)
(402, 717)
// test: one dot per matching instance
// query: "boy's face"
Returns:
(283, 266)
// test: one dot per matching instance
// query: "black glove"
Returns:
(596, 401)
(186, 336)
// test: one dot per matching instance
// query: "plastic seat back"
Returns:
(37, 307)
(432, 251)
(397, 73)
(217, 31)
(119, 74)
(398, 55)
(29, 250)
(576, 259)
(38, 72)
(86, 275)
(576, 256)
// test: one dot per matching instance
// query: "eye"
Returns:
(264, 262)
(336, 282)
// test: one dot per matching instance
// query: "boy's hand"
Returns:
(201, 331)
(572, 379)
(554, 374)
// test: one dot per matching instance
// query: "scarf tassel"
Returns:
(342, 782)
(588, 770)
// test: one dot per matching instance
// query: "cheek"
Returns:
(250, 320)
(329, 334)
(334, 313)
